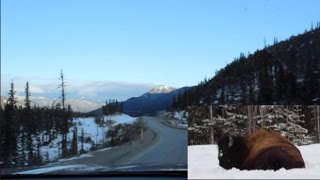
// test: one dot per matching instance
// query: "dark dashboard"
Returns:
(172, 175)
(81, 171)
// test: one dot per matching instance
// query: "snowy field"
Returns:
(91, 131)
(203, 163)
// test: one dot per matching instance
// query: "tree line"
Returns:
(24, 129)
(112, 106)
(299, 123)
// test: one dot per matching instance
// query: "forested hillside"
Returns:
(287, 72)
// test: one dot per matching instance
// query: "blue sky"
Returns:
(120, 49)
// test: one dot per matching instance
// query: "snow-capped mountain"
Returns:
(161, 89)
(157, 99)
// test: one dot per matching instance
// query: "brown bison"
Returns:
(262, 149)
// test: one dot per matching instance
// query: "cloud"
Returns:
(103, 90)
(37, 85)
(36, 89)
(98, 91)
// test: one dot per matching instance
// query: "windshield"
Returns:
(93, 86)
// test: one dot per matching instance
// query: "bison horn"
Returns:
(230, 141)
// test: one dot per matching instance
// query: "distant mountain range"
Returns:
(157, 99)
(78, 105)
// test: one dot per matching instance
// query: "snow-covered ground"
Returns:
(178, 118)
(93, 135)
(180, 115)
(203, 163)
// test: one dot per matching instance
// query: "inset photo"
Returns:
(253, 141)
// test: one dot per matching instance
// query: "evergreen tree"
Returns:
(290, 82)
(222, 95)
(243, 93)
(9, 155)
(251, 94)
(265, 86)
(289, 121)
(315, 120)
(279, 85)
(21, 146)
(186, 97)
(70, 115)
(29, 126)
(82, 141)
(74, 145)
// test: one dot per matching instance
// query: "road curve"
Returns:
(171, 146)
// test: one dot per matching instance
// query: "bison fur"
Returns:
(263, 149)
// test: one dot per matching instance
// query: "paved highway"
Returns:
(170, 146)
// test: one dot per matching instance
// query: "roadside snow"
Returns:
(180, 115)
(176, 118)
(93, 133)
(203, 163)
(121, 118)
(74, 158)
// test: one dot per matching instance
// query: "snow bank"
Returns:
(93, 133)
(180, 119)
(120, 118)
(52, 151)
(203, 163)
(74, 158)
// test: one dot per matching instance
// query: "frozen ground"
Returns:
(203, 163)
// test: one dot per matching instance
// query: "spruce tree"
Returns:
(29, 125)
(9, 155)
